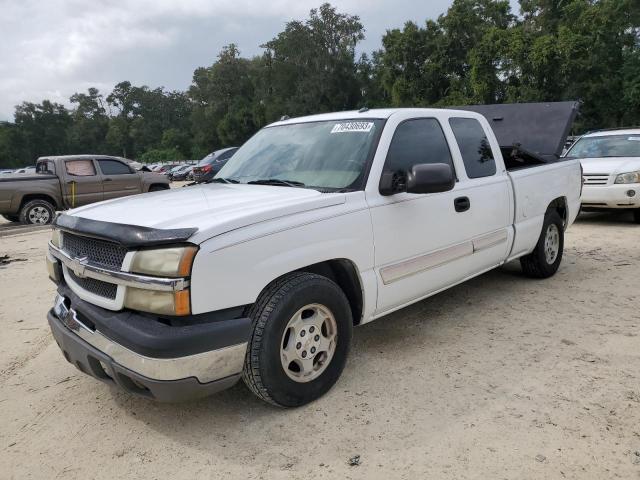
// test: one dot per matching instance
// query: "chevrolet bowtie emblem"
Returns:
(78, 266)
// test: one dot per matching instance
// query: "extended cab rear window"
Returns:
(80, 168)
(474, 147)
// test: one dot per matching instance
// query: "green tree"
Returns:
(223, 97)
(44, 128)
(310, 67)
(90, 123)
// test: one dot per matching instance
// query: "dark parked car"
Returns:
(212, 163)
(181, 174)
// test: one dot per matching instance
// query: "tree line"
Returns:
(479, 51)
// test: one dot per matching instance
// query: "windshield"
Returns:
(328, 155)
(606, 146)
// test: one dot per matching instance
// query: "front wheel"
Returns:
(545, 259)
(302, 325)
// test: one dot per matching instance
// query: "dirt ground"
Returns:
(501, 377)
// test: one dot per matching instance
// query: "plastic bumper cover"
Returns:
(611, 196)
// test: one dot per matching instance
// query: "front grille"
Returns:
(596, 179)
(98, 252)
(97, 287)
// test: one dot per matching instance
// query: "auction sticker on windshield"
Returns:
(346, 127)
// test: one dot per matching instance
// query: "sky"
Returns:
(50, 49)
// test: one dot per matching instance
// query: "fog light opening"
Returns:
(105, 369)
(631, 193)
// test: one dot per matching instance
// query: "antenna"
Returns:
(284, 117)
(363, 110)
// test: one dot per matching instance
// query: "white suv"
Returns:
(611, 169)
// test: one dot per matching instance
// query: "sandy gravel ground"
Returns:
(502, 377)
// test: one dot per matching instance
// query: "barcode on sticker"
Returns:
(352, 127)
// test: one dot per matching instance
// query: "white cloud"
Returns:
(51, 49)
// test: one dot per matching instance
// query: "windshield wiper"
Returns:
(221, 180)
(276, 181)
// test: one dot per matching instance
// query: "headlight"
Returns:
(161, 262)
(56, 238)
(162, 303)
(164, 262)
(631, 177)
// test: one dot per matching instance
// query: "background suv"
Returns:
(611, 169)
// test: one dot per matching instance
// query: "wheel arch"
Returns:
(344, 273)
(560, 205)
(157, 187)
(38, 196)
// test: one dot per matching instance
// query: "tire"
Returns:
(12, 218)
(636, 215)
(545, 260)
(292, 297)
(37, 212)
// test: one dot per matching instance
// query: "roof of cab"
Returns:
(365, 114)
(81, 157)
(614, 131)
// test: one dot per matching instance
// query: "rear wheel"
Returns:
(37, 212)
(545, 259)
(302, 327)
(12, 218)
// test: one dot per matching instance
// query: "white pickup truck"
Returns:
(316, 225)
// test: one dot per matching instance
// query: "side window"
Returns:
(80, 168)
(113, 167)
(474, 147)
(420, 140)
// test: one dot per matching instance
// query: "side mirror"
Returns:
(422, 178)
(430, 178)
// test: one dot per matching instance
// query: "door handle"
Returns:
(462, 204)
(108, 179)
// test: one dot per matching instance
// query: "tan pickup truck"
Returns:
(71, 181)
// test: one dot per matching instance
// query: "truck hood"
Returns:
(213, 208)
(610, 165)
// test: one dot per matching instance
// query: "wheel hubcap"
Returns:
(39, 215)
(552, 243)
(308, 343)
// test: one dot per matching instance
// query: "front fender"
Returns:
(233, 275)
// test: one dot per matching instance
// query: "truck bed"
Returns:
(533, 190)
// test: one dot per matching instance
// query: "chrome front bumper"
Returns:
(165, 379)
